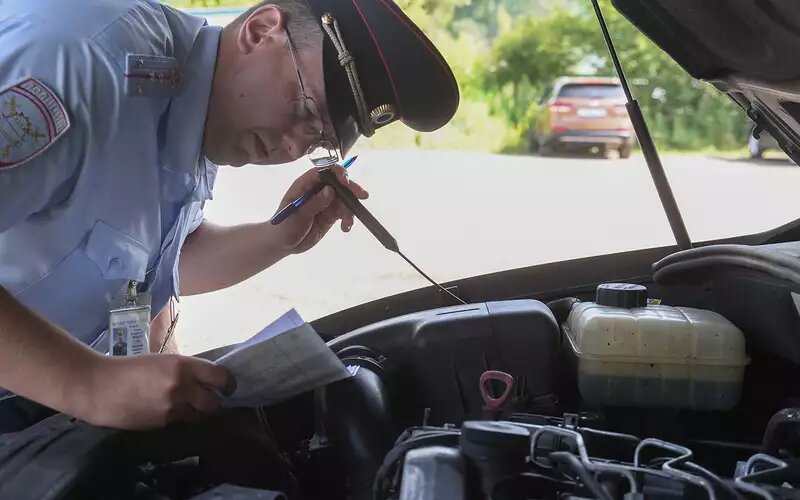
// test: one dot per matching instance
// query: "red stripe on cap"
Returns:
(427, 44)
(380, 53)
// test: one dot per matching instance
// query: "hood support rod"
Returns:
(648, 146)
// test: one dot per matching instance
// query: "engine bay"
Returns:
(487, 401)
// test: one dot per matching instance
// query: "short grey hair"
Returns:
(303, 26)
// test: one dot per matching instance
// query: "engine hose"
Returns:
(399, 451)
(616, 435)
(730, 490)
(783, 272)
(552, 481)
(744, 252)
(571, 461)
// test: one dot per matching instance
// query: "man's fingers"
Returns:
(328, 217)
(344, 213)
(340, 174)
(203, 400)
(319, 202)
(357, 190)
(182, 412)
(214, 376)
(336, 211)
(347, 223)
(302, 184)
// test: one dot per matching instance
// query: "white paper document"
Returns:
(284, 359)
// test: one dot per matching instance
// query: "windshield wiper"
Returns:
(648, 146)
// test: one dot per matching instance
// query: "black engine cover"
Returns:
(437, 356)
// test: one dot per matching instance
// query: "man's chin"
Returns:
(218, 156)
(242, 160)
(227, 162)
(274, 160)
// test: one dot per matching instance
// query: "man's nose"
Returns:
(296, 145)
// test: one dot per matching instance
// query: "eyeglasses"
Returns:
(321, 152)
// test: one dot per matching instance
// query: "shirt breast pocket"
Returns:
(77, 292)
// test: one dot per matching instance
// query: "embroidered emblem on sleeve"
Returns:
(31, 119)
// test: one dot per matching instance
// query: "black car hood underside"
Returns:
(713, 38)
(747, 48)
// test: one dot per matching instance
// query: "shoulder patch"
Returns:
(31, 119)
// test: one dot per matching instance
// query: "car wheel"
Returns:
(533, 144)
(625, 151)
(547, 149)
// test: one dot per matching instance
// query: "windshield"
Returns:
(513, 180)
(594, 91)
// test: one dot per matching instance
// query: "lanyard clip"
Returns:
(132, 293)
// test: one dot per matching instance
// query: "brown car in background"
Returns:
(583, 113)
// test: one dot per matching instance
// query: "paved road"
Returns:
(463, 214)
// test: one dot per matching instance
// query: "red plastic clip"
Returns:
(494, 404)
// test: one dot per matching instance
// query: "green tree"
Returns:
(682, 112)
(505, 54)
(525, 61)
(693, 114)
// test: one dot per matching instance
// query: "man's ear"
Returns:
(264, 25)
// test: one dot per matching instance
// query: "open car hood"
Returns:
(746, 48)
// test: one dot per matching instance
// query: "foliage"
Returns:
(506, 53)
(682, 113)
(473, 128)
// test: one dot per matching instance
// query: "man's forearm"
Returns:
(42, 362)
(216, 257)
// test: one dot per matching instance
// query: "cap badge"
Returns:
(383, 114)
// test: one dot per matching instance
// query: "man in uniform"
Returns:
(114, 115)
(120, 348)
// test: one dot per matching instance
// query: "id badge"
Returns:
(129, 323)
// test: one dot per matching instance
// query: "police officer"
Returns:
(114, 115)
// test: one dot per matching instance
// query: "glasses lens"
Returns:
(323, 154)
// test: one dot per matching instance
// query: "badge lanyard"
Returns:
(129, 323)
(173, 321)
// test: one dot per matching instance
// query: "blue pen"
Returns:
(299, 202)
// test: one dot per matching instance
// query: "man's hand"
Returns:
(216, 257)
(306, 227)
(149, 391)
(42, 362)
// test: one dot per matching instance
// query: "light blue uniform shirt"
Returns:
(111, 198)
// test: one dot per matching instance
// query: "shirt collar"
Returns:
(187, 112)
